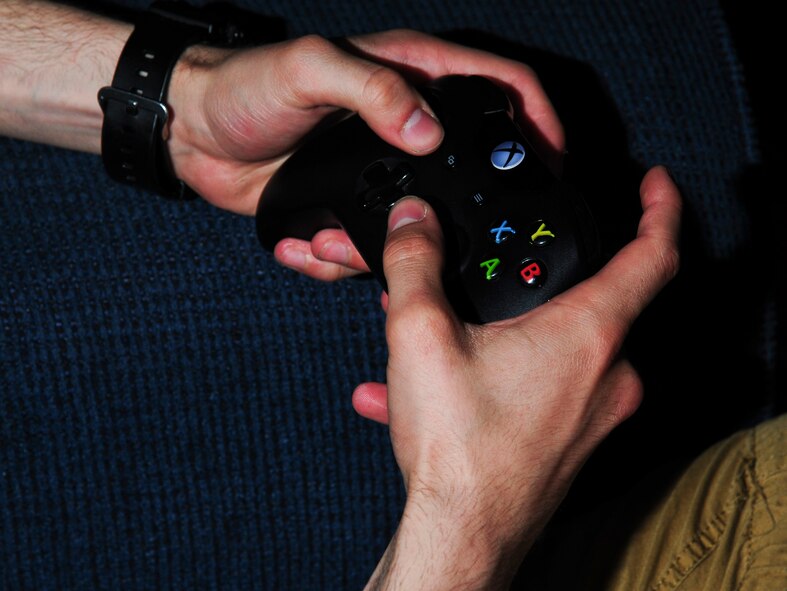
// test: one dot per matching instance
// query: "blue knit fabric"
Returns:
(176, 407)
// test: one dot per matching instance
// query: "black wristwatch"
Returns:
(133, 143)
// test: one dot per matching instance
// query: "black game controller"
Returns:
(515, 234)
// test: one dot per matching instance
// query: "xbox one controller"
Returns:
(515, 235)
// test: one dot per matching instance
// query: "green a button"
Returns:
(490, 269)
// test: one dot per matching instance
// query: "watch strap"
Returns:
(133, 145)
(133, 135)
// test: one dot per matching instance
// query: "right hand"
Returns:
(491, 423)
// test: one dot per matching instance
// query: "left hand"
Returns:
(238, 114)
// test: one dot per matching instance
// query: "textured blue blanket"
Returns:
(175, 407)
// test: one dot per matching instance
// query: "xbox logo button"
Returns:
(508, 155)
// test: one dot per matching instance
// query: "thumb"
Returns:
(413, 259)
(380, 95)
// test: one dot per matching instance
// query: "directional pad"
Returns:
(382, 184)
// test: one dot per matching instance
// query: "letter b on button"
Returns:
(532, 272)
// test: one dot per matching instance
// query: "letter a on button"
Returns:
(492, 268)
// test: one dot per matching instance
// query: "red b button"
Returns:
(532, 272)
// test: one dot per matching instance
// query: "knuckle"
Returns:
(422, 325)
(399, 32)
(311, 45)
(527, 74)
(628, 400)
(413, 46)
(624, 399)
(303, 54)
(669, 261)
(598, 337)
(404, 35)
(383, 89)
(409, 249)
(608, 337)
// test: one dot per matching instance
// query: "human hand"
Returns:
(490, 424)
(239, 114)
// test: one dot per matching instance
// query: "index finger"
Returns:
(433, 57)
(621, 290)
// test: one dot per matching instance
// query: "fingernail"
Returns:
(422, 132)
(291, 256)
(407, 211)
(334, 252)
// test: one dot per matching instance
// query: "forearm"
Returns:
(448, 549)
(53, 60)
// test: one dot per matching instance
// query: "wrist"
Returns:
(189, 134)
(451, 546)
(139, 107)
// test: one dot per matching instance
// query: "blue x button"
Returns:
(501, 232)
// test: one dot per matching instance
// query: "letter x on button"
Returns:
(502, 232)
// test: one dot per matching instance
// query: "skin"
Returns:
(236, 115)
(489, 424)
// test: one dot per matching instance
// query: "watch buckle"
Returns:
(134, 102)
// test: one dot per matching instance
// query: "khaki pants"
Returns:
(721, 525)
